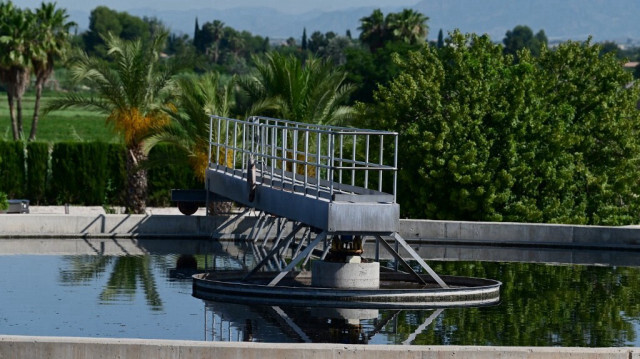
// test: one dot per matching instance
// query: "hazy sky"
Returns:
(288, 6)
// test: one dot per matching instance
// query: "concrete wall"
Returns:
(119, 225)
(237, 227)
(94, 348)
(520, 233)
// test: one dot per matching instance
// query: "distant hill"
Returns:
(560, 19)
(565, 19)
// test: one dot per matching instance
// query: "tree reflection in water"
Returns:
(127, 273)
(541, 305)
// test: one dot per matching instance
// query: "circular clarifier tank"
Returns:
(395, 290)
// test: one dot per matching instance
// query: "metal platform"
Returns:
(329, 178)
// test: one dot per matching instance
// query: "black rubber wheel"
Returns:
(187, 208)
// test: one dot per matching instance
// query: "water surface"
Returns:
(137, 296)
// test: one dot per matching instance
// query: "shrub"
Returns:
(12, 171)
(37, 168)
(79, 173)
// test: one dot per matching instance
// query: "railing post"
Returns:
(395, 169)
(353, 165)
(366, 162)
(218, 143)
(381, 163)
(331, 164)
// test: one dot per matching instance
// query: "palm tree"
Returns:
(131, 95)
(51, 30)
(217, 30)
(409, 26)
(282, 87)
(373, 30)
(188, 129)
(15, 33)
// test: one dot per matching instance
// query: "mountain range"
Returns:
(560, 19)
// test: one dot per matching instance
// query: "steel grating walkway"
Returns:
(334, 179)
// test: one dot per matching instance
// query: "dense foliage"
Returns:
(88, 173)
(37, 166)
(12, 170)
(548, 139)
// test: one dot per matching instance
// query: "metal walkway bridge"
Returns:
(331, 180)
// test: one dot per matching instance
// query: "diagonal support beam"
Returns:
(298, 258)
(397, 256)
(422, 327)
(274, 250)
(415, 256)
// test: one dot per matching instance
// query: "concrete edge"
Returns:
(80, 348)
(232, 227)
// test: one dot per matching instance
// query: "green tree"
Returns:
(522, 37)
(282, 87)
(548, 139)
(373, 30)
(335, 50)
(440, 42)
(130, 95)
(188, 129)
(367, 70)
(609, 46)
(103, 21)
(409, 26)
(15, 52)
(303, 45)
(210, 36)
(51, 30)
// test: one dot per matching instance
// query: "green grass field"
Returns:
(73, 124)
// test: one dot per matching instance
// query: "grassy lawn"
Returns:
(73, 124)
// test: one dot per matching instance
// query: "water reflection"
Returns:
(541, 305)
(239, 322)
(127, 274)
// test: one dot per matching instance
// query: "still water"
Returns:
(139, 296)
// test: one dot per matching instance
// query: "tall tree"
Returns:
(131, 94)
(196, 35)
(409, 26)
(373, 30)
(282, 87)
(15, 53)
(440, 42)
(51, 30)
(303, 45)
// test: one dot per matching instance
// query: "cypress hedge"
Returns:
(12, 169)
(87, 173)
(79, 173)
(37, 171)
